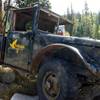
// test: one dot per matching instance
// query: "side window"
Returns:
(23, 20)
(60, 30)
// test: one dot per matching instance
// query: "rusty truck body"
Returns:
(63, 64)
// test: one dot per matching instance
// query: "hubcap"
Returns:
(51, 86)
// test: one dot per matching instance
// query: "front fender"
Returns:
(70, 52)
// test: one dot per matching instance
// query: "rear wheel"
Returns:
(55, 82)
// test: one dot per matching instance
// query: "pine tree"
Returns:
(97, 29)
(1, 28)
(68, 14)
(87, 22)
(86, 9)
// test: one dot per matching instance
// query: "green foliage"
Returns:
(86, 24)
(45, 4)
(28, 3)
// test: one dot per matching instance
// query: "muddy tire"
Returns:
(55, 82)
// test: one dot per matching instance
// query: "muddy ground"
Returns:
(7, 91)
(27, 85)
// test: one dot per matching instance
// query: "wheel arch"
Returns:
(60, 50)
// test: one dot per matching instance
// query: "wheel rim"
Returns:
(51, 87)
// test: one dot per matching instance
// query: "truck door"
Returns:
(18, 50)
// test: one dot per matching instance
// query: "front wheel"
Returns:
(55, 82)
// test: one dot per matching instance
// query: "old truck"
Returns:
(63, 65)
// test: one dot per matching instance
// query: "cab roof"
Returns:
(47, 14)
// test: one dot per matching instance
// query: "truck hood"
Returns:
(85, 41)
(88, 48)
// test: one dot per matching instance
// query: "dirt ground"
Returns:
(26, 85)
(7, 91)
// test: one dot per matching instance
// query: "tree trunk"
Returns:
(1, 28)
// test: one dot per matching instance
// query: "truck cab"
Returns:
(25, 26)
